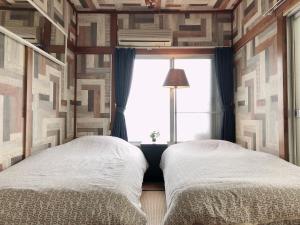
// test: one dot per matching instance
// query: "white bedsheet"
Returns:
(217, 182)
(72, 177)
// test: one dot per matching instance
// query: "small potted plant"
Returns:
(154, 135)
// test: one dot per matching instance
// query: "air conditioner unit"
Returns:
(145, 38)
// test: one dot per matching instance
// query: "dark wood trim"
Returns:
(75, 77)
(75, 97)
(113, 30)
(56, 49)
(76, 29)
(283, 97)
(114, 43)
(236, 5)
(72, 5)
(94, 50)
(287, 5)
(147, 51)
(28, 102)
(252, 33)
(71, 46)
(232, 35)
(25, 101)
(161, 11)
(46, 35)
(17, 8)
(175, 51)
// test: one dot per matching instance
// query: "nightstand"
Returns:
(153, 154)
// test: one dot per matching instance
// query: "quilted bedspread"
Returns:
(88, 181)
(219, 183)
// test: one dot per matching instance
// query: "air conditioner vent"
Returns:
(145, 38)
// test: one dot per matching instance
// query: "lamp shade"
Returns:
(176, 78)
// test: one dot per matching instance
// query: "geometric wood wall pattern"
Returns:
(50, 97)
(93, 30)
(71, 17)
(93, 94)
(257, 93)
(54, 9)
(51, 104)
(25, 24)
(11, 101)
(70, 93)
(248, 14)
(61, 12)
(189, 29)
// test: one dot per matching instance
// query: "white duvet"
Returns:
(216, 182)
(91, 180)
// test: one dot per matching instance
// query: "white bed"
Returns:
(88, 181)
(216, 182)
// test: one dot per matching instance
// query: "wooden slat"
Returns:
(161, 11)
(94, 50)
(28, 102)
(72, 5)
(71, 46)
(175, 51)
(252, 33)
(75, 83)
(114, 43)
(236, 5)
(57, 49)
(283, 88)
(46, 36)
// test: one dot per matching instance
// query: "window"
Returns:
(194, 103)
(148, 107)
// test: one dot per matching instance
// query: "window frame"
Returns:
(172, 59)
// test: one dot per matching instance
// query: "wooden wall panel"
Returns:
(93, 30)
(54, 9)
(189, 29)
(25, 23)
(33, 86)
(70, 93)
(261, 101)
(93, 94)
(11, 101)
(71, 18)
(257, 93)
(247, 15)
(51, 104)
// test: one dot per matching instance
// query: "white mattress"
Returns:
(217, 182)
(91, 180)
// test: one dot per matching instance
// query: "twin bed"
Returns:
(98, 181)
(217, 182)
(88, 181)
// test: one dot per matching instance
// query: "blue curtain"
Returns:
(224, 74)
(124, 61)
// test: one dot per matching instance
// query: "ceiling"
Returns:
(139, 5)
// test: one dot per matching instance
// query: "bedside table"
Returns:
(152, 153)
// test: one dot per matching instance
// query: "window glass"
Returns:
(148, 104)
(194, 104)
(148, 107)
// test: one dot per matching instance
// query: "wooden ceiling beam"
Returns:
(161, 11)
(157, 10)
